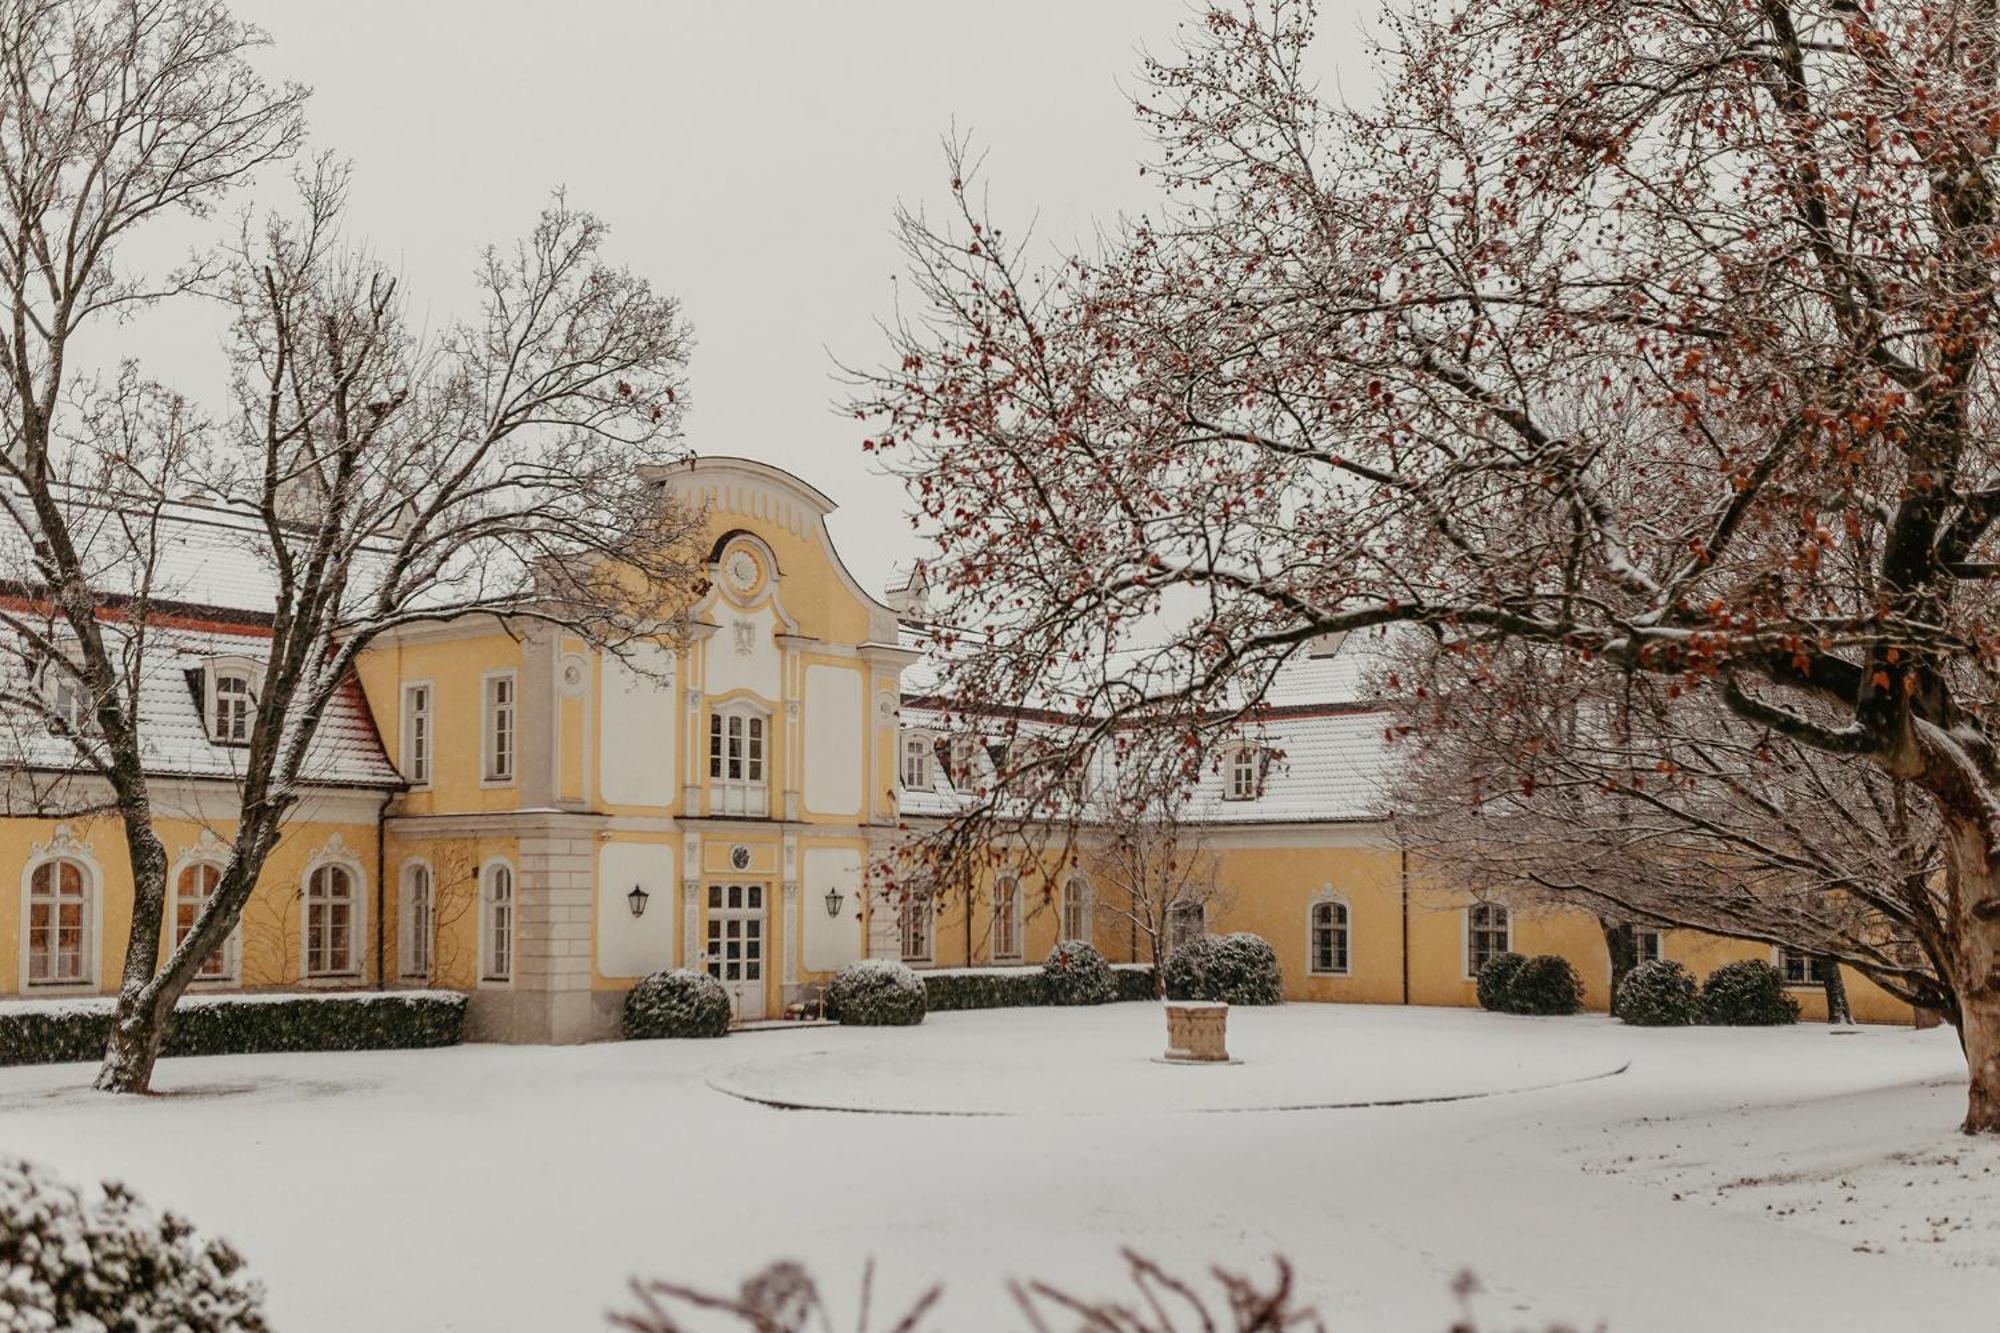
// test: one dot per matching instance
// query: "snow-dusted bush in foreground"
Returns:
(1233, 969)
(876, 992)
(1658, 993)
(1544, 984)
(1494, 975)
(1747, 994)
(677, 1003)
(1076, 973)
(55, 1031)
(71, 1264)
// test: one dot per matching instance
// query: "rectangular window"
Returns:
(1007, 919)
(1488, 934)
(1646, 945)
(417, 733)
(736, 763)
(913, 924)
(1801, 968)
(1185, 922)
(500, 728)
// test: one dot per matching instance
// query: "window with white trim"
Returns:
(1006, 918)
(498, 746)
(333, 907)
(1327, 951)
(61, 899)
(1186, 922)
(417, 732)
(736, 783)
(916, 764)
(1801, 968)
(913, 926)
(232, 702)
(1646, 945)
(497, 923)
(1489, 932)
(417, 914)
(68, 699)
(1076, 909)
(193, 887)
(1243, 775)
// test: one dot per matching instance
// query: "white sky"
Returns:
(748, 157)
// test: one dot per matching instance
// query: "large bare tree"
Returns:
(496, 468)
(1658, 332)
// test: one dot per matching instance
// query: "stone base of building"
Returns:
(562, 1018)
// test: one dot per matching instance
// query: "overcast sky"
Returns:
(748, 157)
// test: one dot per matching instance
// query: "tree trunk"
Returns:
(140, 1019)
(1975, 925)
(1621, 942)
(1835, 985)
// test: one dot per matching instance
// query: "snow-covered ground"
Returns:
(1747, 1179)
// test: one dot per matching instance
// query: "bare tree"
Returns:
(503, 468)
(1149, 864)
(1657, 333)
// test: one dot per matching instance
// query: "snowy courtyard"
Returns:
(1651, 1179)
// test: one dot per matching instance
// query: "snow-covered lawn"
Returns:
(1772, 1179)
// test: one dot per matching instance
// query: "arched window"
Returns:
(1243, 775)
(1327, 950)
(232, 701)
(1006, 918)
(60, 904)
(415, 952)
(1076, 909)
(916, 760)
(913, 925)
(497, 929)
(193, 887)
(736, 762)
(1489, 932)
(332, 914)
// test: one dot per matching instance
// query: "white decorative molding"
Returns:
(791, 923)
(745, 632)
(573, 675)
(690, 923)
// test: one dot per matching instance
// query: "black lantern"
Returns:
(637, 898)
(833, 902)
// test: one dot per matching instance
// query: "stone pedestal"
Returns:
(1197, 1032)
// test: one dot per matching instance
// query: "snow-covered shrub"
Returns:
(1492, 980)
(109, 1265)
(1135, 981)
(1658, 994)
(876, 992)
(1544, 984)
(54, 1031)
(1233, 969)
(677, 1003)
(982, 988)
(1076, 973)
(1747, 994)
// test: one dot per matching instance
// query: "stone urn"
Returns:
(1197, 1032)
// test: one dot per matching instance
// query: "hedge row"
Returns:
(243, 1025)
(1017, 987)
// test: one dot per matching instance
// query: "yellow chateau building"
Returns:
(499, 809)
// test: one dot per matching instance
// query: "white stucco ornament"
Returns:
(574, 674)
(741, 570)
(746, 637)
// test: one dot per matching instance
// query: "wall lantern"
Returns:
(637, 898)
(833, 902)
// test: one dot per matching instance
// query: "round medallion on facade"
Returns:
(739, 857)
(742, 570)
(573, 675)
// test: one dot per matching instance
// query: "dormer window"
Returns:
(916, 761)
(67, 698)
(1243, 773)
(232, 701)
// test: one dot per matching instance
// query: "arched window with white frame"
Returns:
(194, 885)
(61, 923)
(737, 734)
(1327, 946)
(230, 687)
(496, 922)
(1007, 918)
(415, 929)
(1243, 774)
(333, 920)
(1076, 909)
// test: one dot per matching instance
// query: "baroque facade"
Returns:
(500, 809)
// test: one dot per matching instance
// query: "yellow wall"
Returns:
(456, 667)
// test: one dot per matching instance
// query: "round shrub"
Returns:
(67, 1262)
(1075, 973)
(678, 1003)
(1659, 994)
(1233, 969)
(1493, 979)
(876, 992)
(1748, 994)
(1544, 984)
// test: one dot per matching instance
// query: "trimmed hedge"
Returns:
(678, 1002)
(1494, 975)
(876, 992)
(1750, 993)
(1545, 984)
(983, 988)
(1075, 973)
(1229, 969)
(32, 1034)
(1135, 981)
(1659, 993)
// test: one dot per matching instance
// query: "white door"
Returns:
(736, 945)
